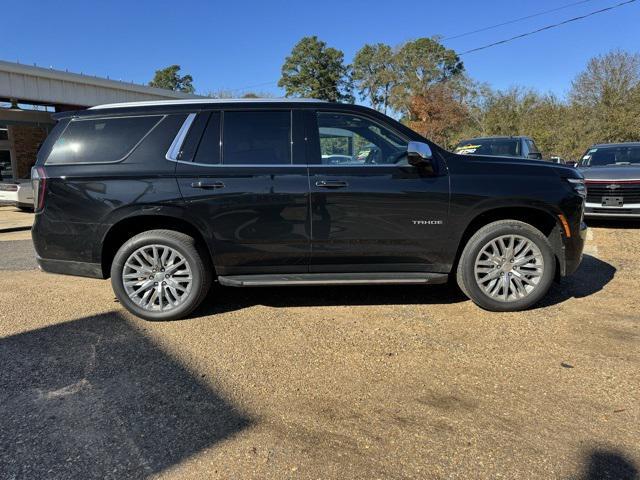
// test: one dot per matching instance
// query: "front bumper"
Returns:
(595, 210)
(573, 250)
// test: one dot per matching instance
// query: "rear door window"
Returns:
(101, 140)
(208, 151)
(256, 137)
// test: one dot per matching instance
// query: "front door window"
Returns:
(347, 139)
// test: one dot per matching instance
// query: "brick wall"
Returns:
(24, 141)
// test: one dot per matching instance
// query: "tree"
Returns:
(315, 70)
(606, 97)
(436, 113)
(169, 79)
(419, 65)
(373, 74)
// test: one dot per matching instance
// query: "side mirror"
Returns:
(571, 163)
(535, 156)
(419, 154)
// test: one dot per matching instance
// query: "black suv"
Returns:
(166, 197)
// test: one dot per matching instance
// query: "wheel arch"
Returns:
(127, 227)
(539, 218)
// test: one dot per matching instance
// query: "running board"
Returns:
(364, 278)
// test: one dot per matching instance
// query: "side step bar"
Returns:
(364, 278)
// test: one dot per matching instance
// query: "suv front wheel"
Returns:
(160, 275)
(506, 266)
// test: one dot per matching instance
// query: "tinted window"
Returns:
(601, 156)
(347, 139)
(6, 172)
(4, 134)
(194, 135)
(532, 147)
(209, 148)
(501, 147)
(257, 138)
(100, 140)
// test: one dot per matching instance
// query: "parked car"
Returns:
(522, 147)
(166, 197)
(612, 176)
(18, 193)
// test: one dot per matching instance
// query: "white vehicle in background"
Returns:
(18, 193)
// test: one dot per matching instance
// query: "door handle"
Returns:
(207, 185)
(332, 184)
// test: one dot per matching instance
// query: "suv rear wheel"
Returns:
(506, 266)
(160, 275)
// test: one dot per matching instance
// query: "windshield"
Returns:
(601, 156)
(502, 147)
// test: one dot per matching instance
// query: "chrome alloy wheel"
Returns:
(157, 278)
(509, 268)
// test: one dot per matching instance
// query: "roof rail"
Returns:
(191, 101)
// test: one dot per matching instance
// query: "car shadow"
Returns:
(224, 299)
(603, 464)
(97, 398)
(591, 277)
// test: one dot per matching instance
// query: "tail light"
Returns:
(39, 183)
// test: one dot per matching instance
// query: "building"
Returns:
(31, 94)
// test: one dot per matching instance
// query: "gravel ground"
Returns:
(361, 382)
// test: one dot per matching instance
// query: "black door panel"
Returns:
(385, 218)
(258, 215)
(371, 210)
(258, 212)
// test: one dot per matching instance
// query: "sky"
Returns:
(241, 45)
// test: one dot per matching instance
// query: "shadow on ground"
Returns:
(609, 465)
(590, 278)
(224, 299)
(96, 398)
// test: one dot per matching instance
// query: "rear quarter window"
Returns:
(100, 140)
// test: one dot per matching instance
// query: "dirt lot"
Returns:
(371, 382)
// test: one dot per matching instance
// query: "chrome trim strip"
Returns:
(604, 180)
(176, 145)
(612, 215)
(613, 209)
(287, 165)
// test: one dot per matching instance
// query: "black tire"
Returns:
(201, 272)
(466, 275)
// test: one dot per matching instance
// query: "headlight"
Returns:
(578, 185)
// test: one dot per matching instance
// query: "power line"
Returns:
(515, 20)
(507, 40)
(548, 27)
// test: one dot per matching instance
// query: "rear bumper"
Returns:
(68, 267)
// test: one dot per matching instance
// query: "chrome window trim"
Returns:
(176, 145)
(289, 165)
